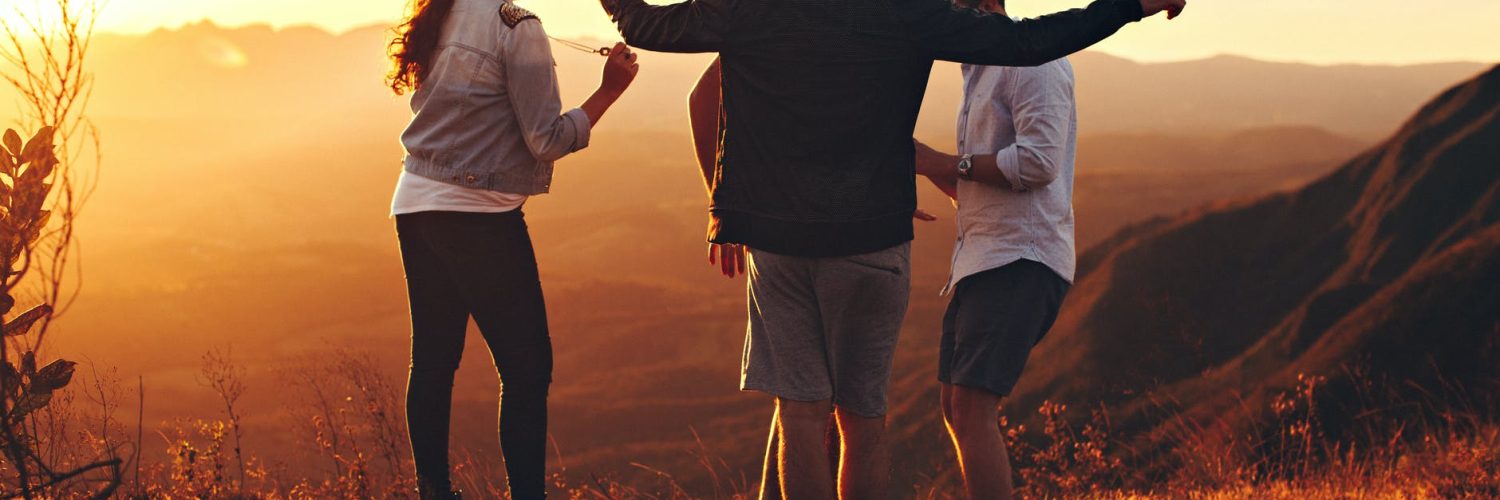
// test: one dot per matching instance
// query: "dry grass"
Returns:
(349, 422)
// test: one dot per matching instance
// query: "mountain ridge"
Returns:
(1268, 289)
(1213, 95)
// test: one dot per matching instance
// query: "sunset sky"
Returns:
(1321, 31)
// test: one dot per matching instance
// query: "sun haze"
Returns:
(1326, 31)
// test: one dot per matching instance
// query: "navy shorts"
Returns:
(994, 320)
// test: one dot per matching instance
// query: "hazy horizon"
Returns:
(594, 38)
(1365, 32)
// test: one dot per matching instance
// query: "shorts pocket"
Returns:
(870, 264)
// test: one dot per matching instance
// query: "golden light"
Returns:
(223, 53)
(24, 16)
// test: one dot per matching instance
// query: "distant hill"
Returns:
(1387, 268)
(1227, 93)
(255, 71)
(1248, 149)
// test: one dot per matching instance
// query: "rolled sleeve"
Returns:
(531, 80)
(583, 128)
(1009, 160)
(1042, 106)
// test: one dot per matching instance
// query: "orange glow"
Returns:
(1377, 31)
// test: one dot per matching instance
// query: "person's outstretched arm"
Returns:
(531, 80)
(995, 40)
(690, 26)
(704, 121)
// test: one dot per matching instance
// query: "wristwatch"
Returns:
(966, 167)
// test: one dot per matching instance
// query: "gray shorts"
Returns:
(826, 328)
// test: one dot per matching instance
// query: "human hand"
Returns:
(730, 258)
(923, 216)
(620, 69)
(934, 163)
(1172, 7)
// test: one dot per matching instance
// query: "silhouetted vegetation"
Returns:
(1289, 455)
(40, 197)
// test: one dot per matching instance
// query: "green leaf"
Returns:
(13, 142)
(6, 164)
(54, 376)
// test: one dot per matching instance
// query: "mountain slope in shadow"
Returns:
(1386, 268)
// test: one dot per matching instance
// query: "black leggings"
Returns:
(482, 265)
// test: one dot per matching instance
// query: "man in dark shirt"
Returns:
(815, 175)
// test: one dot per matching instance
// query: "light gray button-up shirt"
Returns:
(1028, 119)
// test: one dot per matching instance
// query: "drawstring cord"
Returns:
(603, 51)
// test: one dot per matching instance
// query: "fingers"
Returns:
(726, 260)
(622, 56)
(624, 52)
(732, 260)
(1173, 8)
(742, 257)
(717, 257)
(923, 216)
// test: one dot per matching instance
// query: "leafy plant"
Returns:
(43, 60)
(26, 168)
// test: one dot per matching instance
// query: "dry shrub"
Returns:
(350, 414)
(1070, 461)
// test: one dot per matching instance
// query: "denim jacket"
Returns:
(488, 115)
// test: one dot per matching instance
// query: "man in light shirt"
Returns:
(1014, 259)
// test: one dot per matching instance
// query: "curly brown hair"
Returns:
(415, 43)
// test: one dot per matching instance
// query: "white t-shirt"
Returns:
(415, 193)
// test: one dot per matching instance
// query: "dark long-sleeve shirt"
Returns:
(821, 98)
